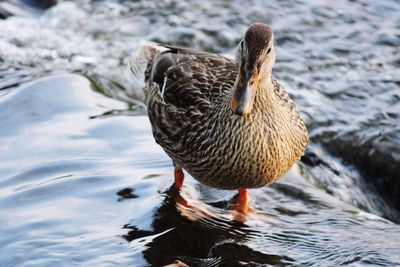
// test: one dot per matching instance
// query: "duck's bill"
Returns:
(243, 97)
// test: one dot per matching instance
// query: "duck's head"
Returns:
(255, 57)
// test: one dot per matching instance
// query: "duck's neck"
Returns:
(265, 90)
(266, 82)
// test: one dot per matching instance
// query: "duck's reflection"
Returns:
(199, 235)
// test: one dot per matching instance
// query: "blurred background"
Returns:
(83, 183)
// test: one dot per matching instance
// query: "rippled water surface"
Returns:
(82, 181)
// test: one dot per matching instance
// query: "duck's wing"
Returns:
(152, 60)
(183, 86)
(190, 78)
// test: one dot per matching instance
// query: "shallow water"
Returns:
(82, 181)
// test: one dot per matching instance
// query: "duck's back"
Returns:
(189, 78)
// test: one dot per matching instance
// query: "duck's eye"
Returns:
(269, 50)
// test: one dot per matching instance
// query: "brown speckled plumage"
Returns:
(188, 98)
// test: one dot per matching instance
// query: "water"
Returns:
(82, 181)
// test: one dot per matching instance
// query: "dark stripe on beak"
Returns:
(243, 97)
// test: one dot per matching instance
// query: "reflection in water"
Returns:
(197, 237)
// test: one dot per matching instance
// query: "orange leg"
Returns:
(242, 201)
(179, 177)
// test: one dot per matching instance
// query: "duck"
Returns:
(227, 122)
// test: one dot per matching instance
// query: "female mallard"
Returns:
(226, 122)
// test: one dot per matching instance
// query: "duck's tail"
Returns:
(141, 65)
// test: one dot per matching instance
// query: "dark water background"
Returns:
(82, 183)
